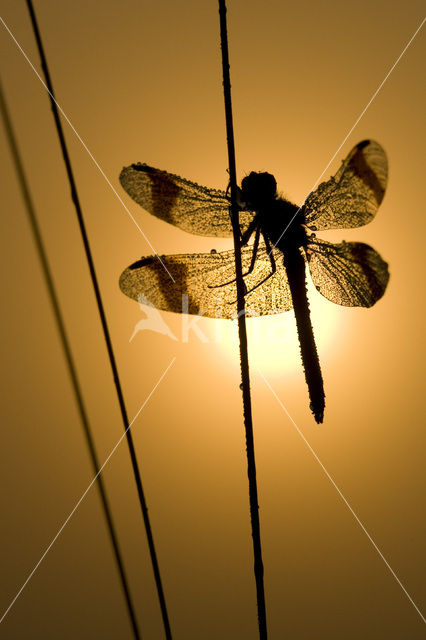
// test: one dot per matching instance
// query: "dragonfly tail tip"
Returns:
(318, 413)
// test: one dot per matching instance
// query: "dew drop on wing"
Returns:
(213, 251)
(241, 386)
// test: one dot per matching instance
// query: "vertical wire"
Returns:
(129, 437)
(32, 217)
(245, 378)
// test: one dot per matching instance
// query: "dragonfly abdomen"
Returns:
(295, 267)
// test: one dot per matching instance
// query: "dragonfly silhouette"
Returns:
(348, 273)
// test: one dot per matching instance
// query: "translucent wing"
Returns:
(185, 204)
(352, 197)
(350, 273)
(196, 273)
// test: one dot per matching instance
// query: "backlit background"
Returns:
(141, 81)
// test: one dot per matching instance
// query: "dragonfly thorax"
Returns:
(276, 215)
(282, 225)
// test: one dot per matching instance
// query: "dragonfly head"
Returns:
(258, 189)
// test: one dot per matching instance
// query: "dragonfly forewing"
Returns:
(185, 204)
(350, 198)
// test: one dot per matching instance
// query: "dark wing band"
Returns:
(350, 273)
(351, 198)
(196, 273)
(185, 204)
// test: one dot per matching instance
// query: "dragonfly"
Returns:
(285, 246)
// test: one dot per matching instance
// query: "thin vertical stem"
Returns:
(245, 378)
(54, 300)
(95, 284)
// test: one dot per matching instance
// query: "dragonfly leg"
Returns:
(240, 205)
(245, 237)
(270, 250)
(273, 265)
(253, 257)
(240, 201)
(254, 254)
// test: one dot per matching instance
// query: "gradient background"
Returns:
(141, 81)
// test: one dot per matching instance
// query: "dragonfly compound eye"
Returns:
(258, 189)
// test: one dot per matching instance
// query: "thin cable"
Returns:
(76, 201)
(83, 495)
(354, 125)
(86, 148)
(68, 357)
(343, 497)
(245, 377)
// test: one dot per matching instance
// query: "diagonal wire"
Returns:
(342, 496)
(96, 163)
(68, 357)
(83, 495)
(354, 124)
(95, 284)
(67, 351)
(245, 378)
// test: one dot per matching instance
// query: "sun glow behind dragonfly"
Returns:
(273, 342)
(346, 273)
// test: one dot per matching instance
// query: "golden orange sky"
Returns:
(141, 81)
